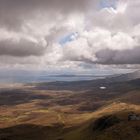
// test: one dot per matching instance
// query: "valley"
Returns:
(70, 110)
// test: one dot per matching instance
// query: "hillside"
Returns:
(70, 111)
(109, 123)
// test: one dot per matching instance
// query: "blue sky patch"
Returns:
(68, 38)
(108, 3)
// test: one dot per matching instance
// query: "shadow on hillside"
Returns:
(31, 132)
(15, 97)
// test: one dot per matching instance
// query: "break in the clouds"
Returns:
(64, 33)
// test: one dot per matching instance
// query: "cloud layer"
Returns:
(128, 56)
(63, 33)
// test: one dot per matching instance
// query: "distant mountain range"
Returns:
(125, 77)
(89, 84)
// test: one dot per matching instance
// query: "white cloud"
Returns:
(31, 35)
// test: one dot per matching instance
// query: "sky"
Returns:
(82, 36)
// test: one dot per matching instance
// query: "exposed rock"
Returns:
(133, 117)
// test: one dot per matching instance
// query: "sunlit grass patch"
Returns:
(41, 111)
(5, 118)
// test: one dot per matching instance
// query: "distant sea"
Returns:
(47, 78)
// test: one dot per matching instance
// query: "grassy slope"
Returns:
(121, 131)
(120, 98)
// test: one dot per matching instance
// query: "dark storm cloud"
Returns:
(21, 48)
(107, 56)
(13, 13)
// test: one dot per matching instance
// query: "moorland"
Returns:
(80, 110)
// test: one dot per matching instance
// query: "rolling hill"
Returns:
(72, 110)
